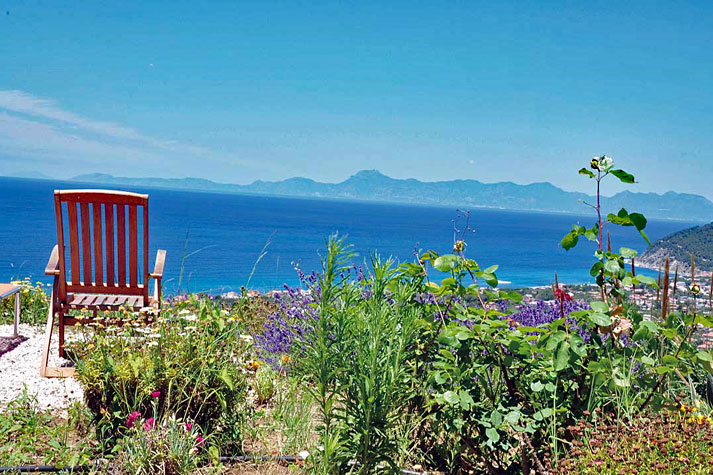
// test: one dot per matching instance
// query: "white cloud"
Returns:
(20, 102)
(36, 133)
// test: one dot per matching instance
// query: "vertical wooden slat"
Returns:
(86, 245)
(121, 242)
(145, 279)
(133, 247)
(73, 240)
(98, 244)
(60, 285)
(109, 230)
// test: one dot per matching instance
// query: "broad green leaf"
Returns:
(586, 171)
(596, 268)
(704, 320)
(704, 356)
(490, 279)
(496, 418)
(432, 286)
(445, 263)
(491, 269)
(448, 284)
(492, 435)
(577, 344)
(645, 279)
(623, 176)
(612, 266)
(226, 378)
(600, 319)
(466, 400)
(555, 339)
(638, 220)
(451, 397)
(670, 360)
(599, 306)
(537, 386)
(512, 417)
(570, 240)
(562, 357)
(651, 326)
(627, 253)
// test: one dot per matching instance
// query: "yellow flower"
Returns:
(285, 359)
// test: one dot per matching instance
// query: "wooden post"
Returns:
(17, 312)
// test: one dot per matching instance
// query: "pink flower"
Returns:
(156, 394)
(149, 424)
(132, 417)
(199, 440)
(189, 426)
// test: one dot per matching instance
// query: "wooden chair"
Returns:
(100, 225)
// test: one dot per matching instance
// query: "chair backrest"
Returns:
(103, 236)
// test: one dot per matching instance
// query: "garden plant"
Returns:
(374, 366)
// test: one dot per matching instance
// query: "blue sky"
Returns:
(237, 91)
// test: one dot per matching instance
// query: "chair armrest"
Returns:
(158, 267)
(53, 264)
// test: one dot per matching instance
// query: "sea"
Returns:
(217, 243)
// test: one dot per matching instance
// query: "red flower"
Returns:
(189, 426)
(149, 424)
(156, 394)
(562, 296)
(132, 417)
(199, 440)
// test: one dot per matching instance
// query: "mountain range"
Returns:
(372, 185)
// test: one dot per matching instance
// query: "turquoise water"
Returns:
(227, 232)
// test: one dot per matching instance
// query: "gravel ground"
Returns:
(21, 366)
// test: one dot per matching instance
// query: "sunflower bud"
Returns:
(595, 163)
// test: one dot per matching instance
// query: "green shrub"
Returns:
(29, 435)
(33, 304)
(354, 360)
(264, 383)
(191, 358)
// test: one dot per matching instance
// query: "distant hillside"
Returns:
(371, 185)
(34, 175)
(679, 246)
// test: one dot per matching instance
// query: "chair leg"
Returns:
(48, 338)
(52, 312)
(61, 335)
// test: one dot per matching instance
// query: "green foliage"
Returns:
(33, 304)
(170, 447)
(355, 362)
(192, 354)
(31, 435)
(670, 442)
(264, 383)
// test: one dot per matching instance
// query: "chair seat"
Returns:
(104, 301)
